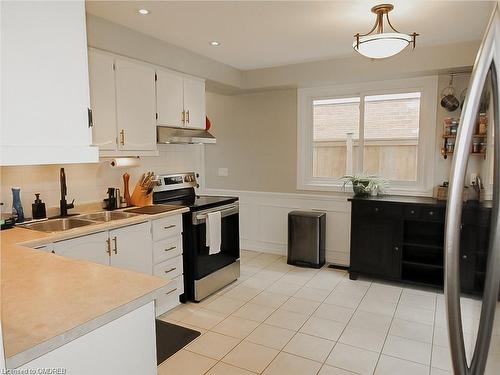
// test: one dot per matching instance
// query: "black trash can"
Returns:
(306, 238)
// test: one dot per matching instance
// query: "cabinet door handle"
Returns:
(376, 209)
(116, 245)
(108, 245)
(170, 270)
(91, 120)
(412, 212)
(170, 226)
(431, 213)
(187, 116)
(464, 256)
(171, 248)
(122, 137)
(396, 248)
(183, 117)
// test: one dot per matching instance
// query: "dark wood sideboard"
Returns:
(401, 239)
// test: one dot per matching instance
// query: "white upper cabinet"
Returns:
(135, 105)
(180, 100)
(194, 103)
(45, 85)
(169, 98)
(130, 98)
(103, 99)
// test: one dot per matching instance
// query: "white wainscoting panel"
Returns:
(264, 220)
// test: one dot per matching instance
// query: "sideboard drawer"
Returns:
(412, 212)
(432, 213)
(377, 209)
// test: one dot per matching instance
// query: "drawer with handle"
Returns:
(169, 269)
(167, 249)
(167, 227)
(170, 298)
(376, 209)
(433, 213)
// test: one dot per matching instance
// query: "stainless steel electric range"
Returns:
(204, 274)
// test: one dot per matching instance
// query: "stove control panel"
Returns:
(176, 181)
(173, 180)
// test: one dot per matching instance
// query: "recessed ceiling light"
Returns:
(215, 43)
(143, 11)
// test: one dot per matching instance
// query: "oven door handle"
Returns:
(201, 217)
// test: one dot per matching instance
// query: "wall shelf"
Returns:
(450, 128)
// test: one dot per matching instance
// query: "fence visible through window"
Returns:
(390, 136)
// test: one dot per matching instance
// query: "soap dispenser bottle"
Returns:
(38, 208)
(17, 207)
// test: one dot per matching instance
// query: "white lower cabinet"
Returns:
(153, 248)
(127, 247)
(92, 247)
(131, 248)
(167, 259)
(125, 345)
(171, 298)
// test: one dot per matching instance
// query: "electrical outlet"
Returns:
(223, 172)
(473, 177)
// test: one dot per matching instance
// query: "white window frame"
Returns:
(427, 86)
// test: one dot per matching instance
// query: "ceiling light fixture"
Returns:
(382, 44)
(143, 11)
(215, 43)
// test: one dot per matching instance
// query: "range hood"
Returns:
(166, 134)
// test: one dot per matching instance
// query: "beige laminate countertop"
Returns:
(48, 300)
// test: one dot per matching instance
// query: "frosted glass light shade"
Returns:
(379, 46)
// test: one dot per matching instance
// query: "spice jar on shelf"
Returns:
(454, 127)
(483, 123)
(482, 147)
(449, 146)
(476, 146)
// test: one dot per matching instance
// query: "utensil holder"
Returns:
(139, 197)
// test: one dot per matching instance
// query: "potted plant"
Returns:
(365, 185)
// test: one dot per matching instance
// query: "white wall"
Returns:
(410, 63)
(88, 183)
(256, 141)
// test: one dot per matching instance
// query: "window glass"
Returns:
(335, 136)
(391, 136)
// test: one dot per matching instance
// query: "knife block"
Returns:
(139, 197)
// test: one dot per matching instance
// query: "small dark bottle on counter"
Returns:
(110, 202)
(38, 208)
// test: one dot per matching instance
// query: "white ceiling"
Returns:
(257, 34)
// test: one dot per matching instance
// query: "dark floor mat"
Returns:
(171, 338)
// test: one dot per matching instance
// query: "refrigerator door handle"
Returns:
(487, 60)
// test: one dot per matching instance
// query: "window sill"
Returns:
(338, 188)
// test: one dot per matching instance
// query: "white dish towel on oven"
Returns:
(213, 227)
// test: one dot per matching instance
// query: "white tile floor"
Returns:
(283, 320)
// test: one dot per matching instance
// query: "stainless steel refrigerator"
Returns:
(485, 76)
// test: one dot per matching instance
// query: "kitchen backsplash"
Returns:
(89, 182)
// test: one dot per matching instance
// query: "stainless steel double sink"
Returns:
(63, 224)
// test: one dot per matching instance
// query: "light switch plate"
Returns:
(223, 172)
